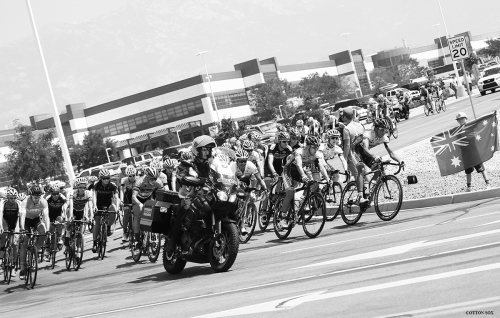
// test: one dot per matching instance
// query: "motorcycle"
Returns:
(399, 112)
(209, 232)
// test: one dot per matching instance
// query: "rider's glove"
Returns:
(402, 163)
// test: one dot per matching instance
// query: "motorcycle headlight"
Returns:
(232, 198)
(222, 196)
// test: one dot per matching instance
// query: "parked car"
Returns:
(142, 158)
(267, 129)
(490, 81)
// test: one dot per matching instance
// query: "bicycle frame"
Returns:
(380, 178)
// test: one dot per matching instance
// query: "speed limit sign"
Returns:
(458, 48)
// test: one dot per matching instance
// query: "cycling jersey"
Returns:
(309, 161)
(164, 179)
(79, 201)
(146, 188)
(169, 177)
(330, 153)
(373, 139)
(249, 172)
(55, 206)
(10, 214)
(104, 194)
(127, 189)
(33, 209)
(279, 157)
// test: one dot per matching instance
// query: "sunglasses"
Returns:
(285, 141)
(82, 188)
(241, 160)
(132, 176)
(105, 179)
(55, 193)
(36, 196)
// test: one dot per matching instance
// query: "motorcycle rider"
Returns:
(384, 104)
(404, 98)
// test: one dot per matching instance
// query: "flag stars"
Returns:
(478, 137)
(455, 161)
(485, 122)
(492, 148)
(494, 124)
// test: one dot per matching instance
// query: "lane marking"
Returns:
(448, 309)
(488, 223)
(476, 216)
(288, 280)
(396, 250)
(289, 303)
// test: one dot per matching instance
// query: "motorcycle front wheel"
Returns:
(172, 264)
(223, 254)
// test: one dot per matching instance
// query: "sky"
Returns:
(97, 51)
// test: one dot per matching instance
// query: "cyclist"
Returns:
(169, 172)
(10, 211)
(247, 170)
(331, 150)
(79, 201)
(295, 138)
(278, 152)
(427, 97)
(105, 196)
(385, 106)
(35, 206)
(162, 178)
(127, 185)
(143, 190)
(304, 130)
(329, 120)
(373, 109)
(256, 138)
(254, 156)
(57, 205)
(303, 165)
(404, 99)
(181, 170)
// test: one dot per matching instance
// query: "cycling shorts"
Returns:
(11, 221)
(78, 215)
(31, 223)
(54, 215)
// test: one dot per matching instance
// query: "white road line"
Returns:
(291, 302)
(396, 250)
(488, 223)
(449, 309)
(477, 216)
(287, 281)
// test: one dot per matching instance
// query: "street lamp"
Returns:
(442, 48)
(209, 83)
(460, 88)
(352, 63)
(108, 154)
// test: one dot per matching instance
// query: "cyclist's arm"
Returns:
(261, 181)
(134, 198)
(22, 216)
(116, 198)
(1, 215)
(45, 213)
(343, 161)
(298, 163)
(323, 169)
(94, 198)
(270, 160)
(70, 208)
(391, 153)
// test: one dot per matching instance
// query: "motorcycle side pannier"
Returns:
(168, 196)
(155, 217)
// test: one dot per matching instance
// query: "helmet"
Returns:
(131, 170)
(380, 123)
(332, 133)
(226, 145)
(11, 192)
(283, 136)
(371, 101)
(186, 155)
(104, 173)
(165, 157)
(461, 115)
(61, 184)
(169, 163)
(243, 137)
(241, 154)
(54, 188)
(248, 145)
(151, 173)
(299, 122)
(21, 196)
(257, 136)
(281, 128)
(123, 165)
(202, 141)
(294, 132)
(93, 179)
(156, 164)
(326, 113)
(312, 141)
(79, 181)
(36, 191)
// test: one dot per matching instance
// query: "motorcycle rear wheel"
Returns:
(228, 248)
(172, 264)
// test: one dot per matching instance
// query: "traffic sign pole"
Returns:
(468, 88)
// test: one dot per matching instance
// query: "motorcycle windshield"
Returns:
(224, 174)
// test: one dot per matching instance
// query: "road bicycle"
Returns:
(51, 245)
(31, 266)
(270, 198)
(311, 212)
(154, 246)
(8, 260)
(332, 193)
(428, 106)
(440, 104)
(393, 127)
(102, 234)
(385, 192)
(247, 212)
(73, 253)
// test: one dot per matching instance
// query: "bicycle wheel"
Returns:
(68, 255)
(31, 267)
(332, 196)
(8, 264)
(443, 105)
(388, 198)
(102, 242)
(78, 252)
(438, 106)
(349, 210)
(137, 252)
(282, 233)
(90, 226)
(154, 247)
(314, 216)
(249, 221)
(263, 217)
(426, 110)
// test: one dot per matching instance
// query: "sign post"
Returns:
(459, 50)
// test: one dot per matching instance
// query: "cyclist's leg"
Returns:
(111, 218)
(288, 183)
(136, 224)
(97, 225)
(3, 237)
(23, 246)
(41, 230)
(59, 227)
(126, 213)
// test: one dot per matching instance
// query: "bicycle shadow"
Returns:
(194, 271)
(131, 264)
(13, 289)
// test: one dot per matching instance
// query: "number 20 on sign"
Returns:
(458, 48)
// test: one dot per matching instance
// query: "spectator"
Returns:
(462, 119)
(454, 88)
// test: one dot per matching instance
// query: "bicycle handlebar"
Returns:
(401, 165)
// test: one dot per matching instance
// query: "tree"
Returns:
(401, 73)
(266, 97)
(492, 50)
(33, 158)
(325, 87)
(408, 69)
(92, 151)
(227, 130)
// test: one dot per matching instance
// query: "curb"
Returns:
(446, 199)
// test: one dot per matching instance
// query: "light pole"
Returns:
(281, 114)
(108, 154)
(460, 87)
(209, 83)
(442, 48)
(352, 63)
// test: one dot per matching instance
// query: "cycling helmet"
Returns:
(372, 101)
(299, 123)
(156, 164)
(294, 132)
(54, 188)
(257, 136)
(241, 154)
(461, 115)
(61, 184)
(21, 196)
(46, 188)
(283, 136)
(93, 179)
(226, 145)
(165, 157)
(332, 133)
(36, 191)
(202, 141)
(104, 173)
(151, 173)
(380, 123)
(169, 163)
(79, 181)
(123, 165)
(326, 113)
(248, 145)
(281, 128)
(312, 141)
(186, 155)
(11, 192)
(131, 170)
(243, 137)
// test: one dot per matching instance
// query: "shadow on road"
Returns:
(130, 264)
(12, 289)
(164, 276)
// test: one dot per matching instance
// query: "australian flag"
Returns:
(466, 146)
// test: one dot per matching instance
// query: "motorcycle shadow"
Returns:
(164, 276)
(133, 263)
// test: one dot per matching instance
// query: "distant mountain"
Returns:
(144, 45)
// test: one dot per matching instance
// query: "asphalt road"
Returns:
(441, 261)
